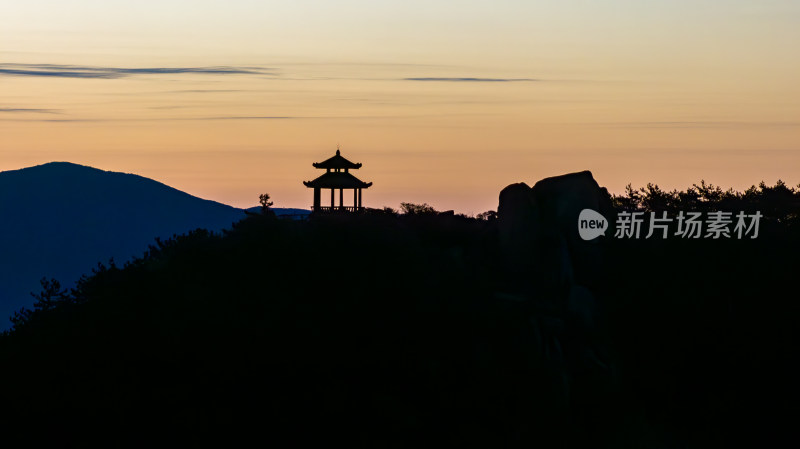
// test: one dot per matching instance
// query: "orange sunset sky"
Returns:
(444, 102)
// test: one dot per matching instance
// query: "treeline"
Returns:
(778, 202)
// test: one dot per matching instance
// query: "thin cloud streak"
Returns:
(165, 119)
(243, 117)
(56, 120)
(255, 117)
(203, 91)
(73, 71)
(471, 80)
(31, 110)
(704, 124)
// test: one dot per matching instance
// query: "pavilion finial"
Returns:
(337, 149)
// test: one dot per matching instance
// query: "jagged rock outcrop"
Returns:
(539, 232)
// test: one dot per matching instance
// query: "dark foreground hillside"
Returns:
(424, 330)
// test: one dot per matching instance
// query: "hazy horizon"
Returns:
(279, 205)
(443, 102)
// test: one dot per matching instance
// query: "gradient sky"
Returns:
(444, 102)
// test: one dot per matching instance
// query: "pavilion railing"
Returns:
(335, 208)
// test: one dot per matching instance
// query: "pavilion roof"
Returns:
(337, 180)
(336, 161)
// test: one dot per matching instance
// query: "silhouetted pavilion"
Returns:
(337, 176)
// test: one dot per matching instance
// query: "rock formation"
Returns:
(557, 274)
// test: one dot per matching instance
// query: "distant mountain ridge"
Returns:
(60, 219)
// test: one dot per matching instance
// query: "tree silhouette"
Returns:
(266, 204)
(489, 215)
(417, 209)
(46, 300)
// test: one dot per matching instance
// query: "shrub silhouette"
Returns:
(417, 209)
(266, 204)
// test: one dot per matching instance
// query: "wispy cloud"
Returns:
(74, 71)
(55, 120)
(31, 110)
(203, 91)
(471, 79)
(158, 119)
(244, 117)
(233, 117)
(706, 124)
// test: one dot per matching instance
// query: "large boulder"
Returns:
(539, 233)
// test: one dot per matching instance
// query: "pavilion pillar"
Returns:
(355, 199)
(333, 201)
(341, 199)
(317, 199)
(360, 193)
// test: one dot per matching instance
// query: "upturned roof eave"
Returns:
(359, 185)
(340, 180)
(337, 164)
(336, 161)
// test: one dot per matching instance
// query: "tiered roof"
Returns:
(335, 178)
